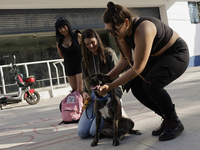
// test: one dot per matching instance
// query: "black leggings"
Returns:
(161, 71)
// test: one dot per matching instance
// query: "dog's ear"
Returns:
(104, 78)
(93, 75)
(108, 79)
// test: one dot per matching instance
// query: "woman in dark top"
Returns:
(69, 48)
(160, 57)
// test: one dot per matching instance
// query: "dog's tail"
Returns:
(136, 132)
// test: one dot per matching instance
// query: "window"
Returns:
(194, 11)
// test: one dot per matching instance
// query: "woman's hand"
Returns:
(85, 95)
(104, 89)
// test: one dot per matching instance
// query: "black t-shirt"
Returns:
(72, 56)
(164, 34)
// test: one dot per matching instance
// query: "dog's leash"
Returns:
(87, 114)
(100, 99)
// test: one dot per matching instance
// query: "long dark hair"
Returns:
(61, 22)
(116, 15)
(90, 33)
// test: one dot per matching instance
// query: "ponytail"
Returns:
(116, 14)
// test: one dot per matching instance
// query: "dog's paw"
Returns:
(115, 143)
(136, 132)
(93, 144)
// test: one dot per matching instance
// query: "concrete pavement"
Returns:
(35, 127)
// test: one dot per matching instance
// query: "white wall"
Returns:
(34, 4)
(179, 20)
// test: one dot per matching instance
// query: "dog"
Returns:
(109, 108)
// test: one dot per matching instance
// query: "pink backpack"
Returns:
(71, 107)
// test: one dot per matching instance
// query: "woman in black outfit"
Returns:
(69, 48)
(160, 57)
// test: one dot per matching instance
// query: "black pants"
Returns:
(161, 71)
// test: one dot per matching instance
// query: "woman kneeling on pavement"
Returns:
(96, 59)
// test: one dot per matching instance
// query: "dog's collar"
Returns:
(103, 98)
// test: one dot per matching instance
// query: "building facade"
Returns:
(27, 27)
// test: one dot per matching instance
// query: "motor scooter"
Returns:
(24, 92)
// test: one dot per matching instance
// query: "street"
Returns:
(35, 127)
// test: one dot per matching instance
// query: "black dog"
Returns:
(109, 108)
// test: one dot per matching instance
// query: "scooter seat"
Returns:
(12, 95)
(4, 97)
(9, 99)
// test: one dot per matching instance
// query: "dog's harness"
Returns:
(104, 98)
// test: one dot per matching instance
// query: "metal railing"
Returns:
(54, 63)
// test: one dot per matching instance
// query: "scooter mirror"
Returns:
(14, 59)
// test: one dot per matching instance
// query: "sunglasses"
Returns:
(60, 19)
(109, 31)
(112, 31)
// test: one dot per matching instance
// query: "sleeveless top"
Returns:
(72, 56)
(164, 34)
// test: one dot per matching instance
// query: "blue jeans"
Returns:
(87, 127)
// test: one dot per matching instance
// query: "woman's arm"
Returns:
(111, 63)
(78, 34)
(144, 37)
(59, 51)
(79, 37)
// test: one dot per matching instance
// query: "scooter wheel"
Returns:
(34, 98)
